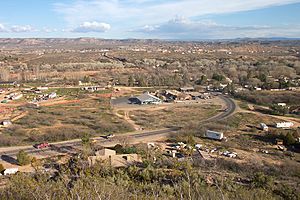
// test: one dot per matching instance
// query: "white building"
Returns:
(6, 123)
(284, 124)
(146, 98)
(16, 96)
(214, 135)
(42, 88)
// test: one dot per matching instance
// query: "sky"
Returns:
(150, 19)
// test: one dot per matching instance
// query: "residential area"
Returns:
(218, 121)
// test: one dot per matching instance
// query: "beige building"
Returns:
(114, 159)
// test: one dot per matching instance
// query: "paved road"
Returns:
(231, 107)
(68, 146)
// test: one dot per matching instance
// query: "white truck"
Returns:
(214, 135)
(284, 124)
(264, 127)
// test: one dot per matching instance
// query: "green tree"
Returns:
(202, 80)
(262, 77)
(86, 79)
(279, 110)
(85, 140)
(23, 158)
(289, 139)
(218, 77)
(260, 180)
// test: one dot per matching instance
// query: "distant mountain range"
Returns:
(96, 42)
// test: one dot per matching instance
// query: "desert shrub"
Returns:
(260, 180)
(15, 130)
(124, 150)
(287, 192)
(6, 140)
(61, 134)
(34, 120)
(23, 158)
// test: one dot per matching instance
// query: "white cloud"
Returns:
(48, 30)
(94, 26)
(21, 29)
(2, 28)
(182, 28)
(139, 12)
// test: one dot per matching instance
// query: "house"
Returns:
(214, 135)
(8, 83)
(264, 127)
(187, 89)
(6, 123)
(195, 95)
(171, 95)
(114, 159)
(284, 124)
(145, 98)
(15, 96)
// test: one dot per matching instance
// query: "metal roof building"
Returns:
(146, 98)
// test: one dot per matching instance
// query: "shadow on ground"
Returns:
(9, 159)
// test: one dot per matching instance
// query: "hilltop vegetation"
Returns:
(164, 179)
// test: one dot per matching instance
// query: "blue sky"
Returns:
(165, 19)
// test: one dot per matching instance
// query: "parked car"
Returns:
(229, 154)
(110, 136)
(41, 145)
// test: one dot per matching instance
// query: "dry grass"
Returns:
(64, 122)
(173, 116)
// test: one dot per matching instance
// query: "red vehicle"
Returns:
(42, 145)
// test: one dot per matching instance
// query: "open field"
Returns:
(179, 115)
(64, 120)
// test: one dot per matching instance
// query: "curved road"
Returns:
(67, 146)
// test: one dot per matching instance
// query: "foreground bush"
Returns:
(177, 180)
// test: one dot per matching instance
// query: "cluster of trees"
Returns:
(157, 70)
(266, 73)
(289, 137)
(269, 98)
